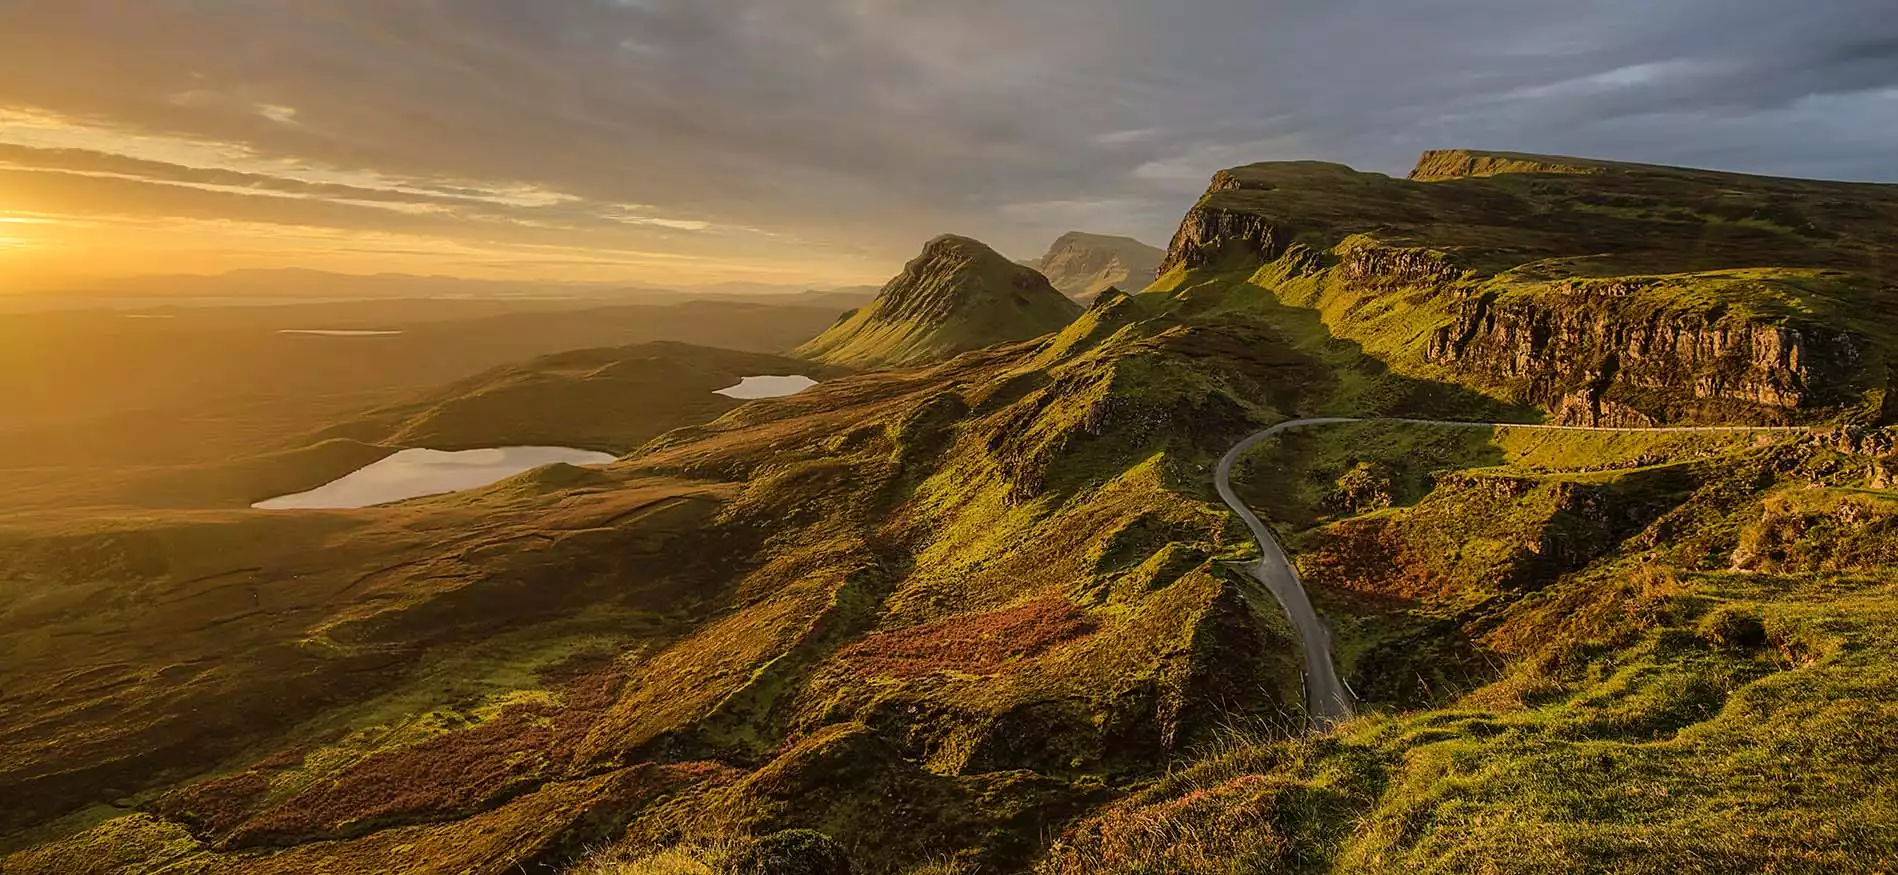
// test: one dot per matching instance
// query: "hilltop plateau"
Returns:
(1615, 294)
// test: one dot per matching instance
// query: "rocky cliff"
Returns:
(1601, 361)
(1604, 292)
(1207, 232)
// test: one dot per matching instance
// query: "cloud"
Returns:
(47, 131)
(1194, 162)
(1117, 138)
(840, 133)
(283, 115)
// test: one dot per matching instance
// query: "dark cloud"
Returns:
(863, 126)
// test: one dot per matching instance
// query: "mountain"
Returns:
(1608, 293)
(958, 295)
(994, 615)
(1081, 264)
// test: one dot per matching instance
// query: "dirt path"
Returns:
(1327, 699)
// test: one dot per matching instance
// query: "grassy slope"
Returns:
(1631, 653)
(958, 295)
(1707, 691)
(993, 583)
(220, 634)
(945, 613)
(1582, 653)
(789, 637)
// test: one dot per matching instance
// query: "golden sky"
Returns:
(84, 199)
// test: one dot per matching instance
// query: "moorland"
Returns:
(973, 604)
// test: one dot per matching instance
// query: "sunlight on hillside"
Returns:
(816, 437)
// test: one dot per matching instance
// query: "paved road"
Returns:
(1327, 699)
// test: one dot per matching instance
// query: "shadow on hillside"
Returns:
(1396, 649)
(1362, 384)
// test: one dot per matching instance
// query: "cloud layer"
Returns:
(823, 139)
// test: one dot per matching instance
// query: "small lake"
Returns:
(338, 332)
(768, 387)
(417, 473)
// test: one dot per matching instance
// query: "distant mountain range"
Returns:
(1083, 265)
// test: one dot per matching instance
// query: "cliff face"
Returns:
(1592, 362)
(1369, 264)
(1606, 293)
(1208, 232)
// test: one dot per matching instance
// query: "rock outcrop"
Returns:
(1208, 233)
(1581, 356)
(1371, 264)
(1607, 293)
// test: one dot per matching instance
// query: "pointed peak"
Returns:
(956, 244)
(958, 295)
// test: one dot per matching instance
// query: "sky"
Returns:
(820, 142)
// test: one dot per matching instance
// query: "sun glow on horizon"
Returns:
(104, 200)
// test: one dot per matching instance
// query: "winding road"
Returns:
(1328, 700)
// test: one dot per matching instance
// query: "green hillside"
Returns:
(1593, 654)
(958, 295)
(987, 614)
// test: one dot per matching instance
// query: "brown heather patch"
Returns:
(452, 774)
(552, 823)
(217, 805)
(979, 643)
(1367, 557)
